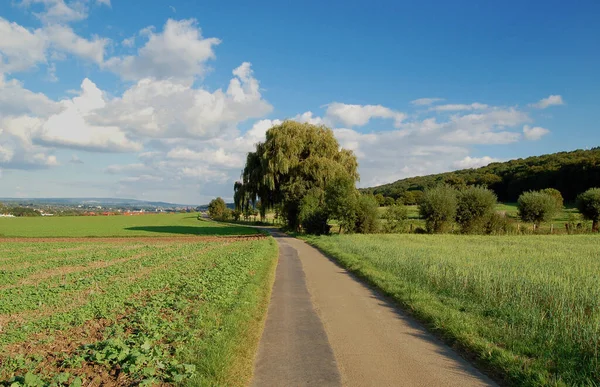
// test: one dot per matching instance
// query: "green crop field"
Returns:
(525, 307)
(127, 311)
(119, 225)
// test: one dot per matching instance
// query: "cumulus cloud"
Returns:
(59, 11)
(474, 162)
(425, 101)
(359, 115)
(551, 100)
(178, 52)
(164, 108)
(22, 49)
(459, 107)
(534, 133)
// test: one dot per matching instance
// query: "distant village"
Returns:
(30, 209)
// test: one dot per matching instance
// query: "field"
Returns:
(524, 307)
(185, 308)
(114, 226)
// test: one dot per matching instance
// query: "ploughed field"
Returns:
(177, 307)
(525, 308)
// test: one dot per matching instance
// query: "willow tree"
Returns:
(295, 158)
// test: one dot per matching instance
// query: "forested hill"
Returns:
(569, 172)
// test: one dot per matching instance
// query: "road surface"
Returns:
(325, 328)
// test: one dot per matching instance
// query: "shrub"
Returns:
(366, 215)
(556, 195)
(588, 204)
(438, 207)
(341, 198)
(388, 201)
(395, 217)
(380, 199)
(217, 208)
(498, 224)
(475, 206)
(313, 216)
(236, 215)
(536, 207)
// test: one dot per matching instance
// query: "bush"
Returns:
(217, 209)
(537, 207)
(588, 203)
(367, 215)
(236, 215)
(395, 217)
(388, 201)
(380, 199)
(556, 195)
(438, 207)
(341, 198)
(498, 224)
(313, 216)
(475, 206)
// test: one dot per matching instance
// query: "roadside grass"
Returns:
(525, 308)
(116, 226)
(170, 310)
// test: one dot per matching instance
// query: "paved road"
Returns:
(325, 328)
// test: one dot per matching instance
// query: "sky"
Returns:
(162, 100)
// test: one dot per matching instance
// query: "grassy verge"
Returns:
(86, 313)
(524, 308)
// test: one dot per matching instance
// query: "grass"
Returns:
(524, 307)
(116, 226)
(133, 310)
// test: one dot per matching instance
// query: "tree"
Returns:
(588, 204)
(536, 207)
(294, 159)
(367, 215)
(438, 207)
(380, 199)
(313, 216)
(474, 207)
(556, 195)
(341, 198)
(408, 198)
(217, 209)
(388, 201)
(395, 216)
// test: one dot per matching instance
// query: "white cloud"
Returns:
(20, 48)
(426, 101)
(359, 115)
(61, 11)
(549, 101)
(129, 42)
(474, 162)
(534, 133)
(70, 129)
(15, 100)
(459, 107)
(178, 52)
(64, 39)
(308, 117)
(167, 109)
(75, 160)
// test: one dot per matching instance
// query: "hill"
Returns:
(569, 172)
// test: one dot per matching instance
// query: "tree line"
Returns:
(569, 172)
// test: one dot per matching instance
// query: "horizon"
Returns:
(166, 105)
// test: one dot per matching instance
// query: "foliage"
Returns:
(380, 200)
(537, 207)
(341, 200)
(475, 206)
(560, 202)
(395, 216)
(167, 312)
(569, 172)
(438, 207)
(367, 215)
(389, 201)
(588, 204)
(217, 209)
(526, 307)
(293, 159)
(23, 211)
(313, 216)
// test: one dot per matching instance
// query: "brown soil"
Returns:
(170, 239)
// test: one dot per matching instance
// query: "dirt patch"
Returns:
(149, 240)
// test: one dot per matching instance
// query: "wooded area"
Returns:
(569, 172)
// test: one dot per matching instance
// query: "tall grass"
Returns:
(527, 307)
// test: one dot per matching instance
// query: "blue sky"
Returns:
(161, 100)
